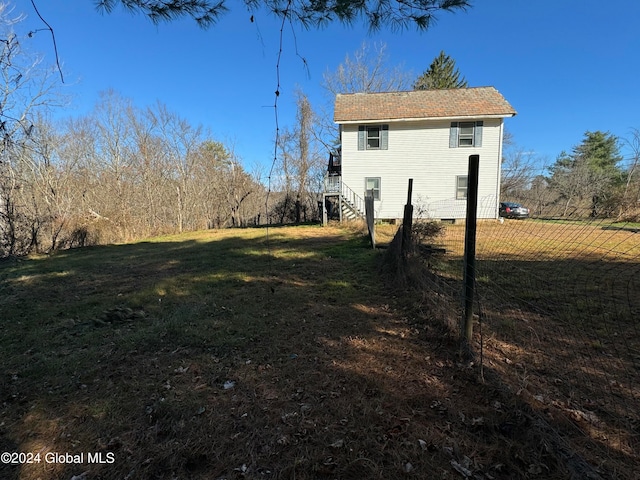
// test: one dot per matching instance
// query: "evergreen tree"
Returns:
(602, 153)
(442, 74)
(590, 174)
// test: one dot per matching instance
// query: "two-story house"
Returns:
(427, 135)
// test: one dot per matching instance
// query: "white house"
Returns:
(427, 135)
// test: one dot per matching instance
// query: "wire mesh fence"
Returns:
(557, 320)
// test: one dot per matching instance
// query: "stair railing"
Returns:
(334, 184)
(355, 201)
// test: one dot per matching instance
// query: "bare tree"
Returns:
(180, 143)
(114, 145)
(224, 187)
(77, 154)
(540, 197)
(238, 186)
(518, 170)
(173, 176)
(152, 170)
(629, 202)
(48, 196)
(577, 184)
(301, 165)
(367, 70)
(118, 174)
(27, 88)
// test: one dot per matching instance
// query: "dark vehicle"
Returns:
(513, 210)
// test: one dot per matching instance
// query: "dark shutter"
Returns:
(362, 134)
(384, 137)
(477, 134)
(453, 135)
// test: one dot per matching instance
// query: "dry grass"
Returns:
(254, 354)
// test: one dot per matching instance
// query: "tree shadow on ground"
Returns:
(237, 355)
(563, 335)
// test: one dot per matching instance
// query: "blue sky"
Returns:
(567, 66)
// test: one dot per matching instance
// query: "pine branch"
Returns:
(396, 14)
(204, 12)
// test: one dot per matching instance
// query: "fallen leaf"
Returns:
(535, 469)
(460, 469)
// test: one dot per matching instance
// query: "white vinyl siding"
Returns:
(420, 150)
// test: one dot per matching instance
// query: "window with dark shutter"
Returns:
(477, 134)
(373, 137)
(453, 135)
(465, 134)
(384, 137)
(361, 137)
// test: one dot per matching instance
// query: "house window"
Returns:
(372, 183)
(373, 137)
(465, 134)
(461, 187)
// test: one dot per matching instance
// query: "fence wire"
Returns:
(558, 321)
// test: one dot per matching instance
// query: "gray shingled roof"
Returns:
(453, 103)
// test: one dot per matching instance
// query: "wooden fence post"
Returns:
(469, 278)
(370, 216)
(407, 222)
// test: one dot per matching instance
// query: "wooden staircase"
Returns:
(351, 205)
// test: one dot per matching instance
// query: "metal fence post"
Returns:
(469, 278)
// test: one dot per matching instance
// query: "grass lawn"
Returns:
(253, 354)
